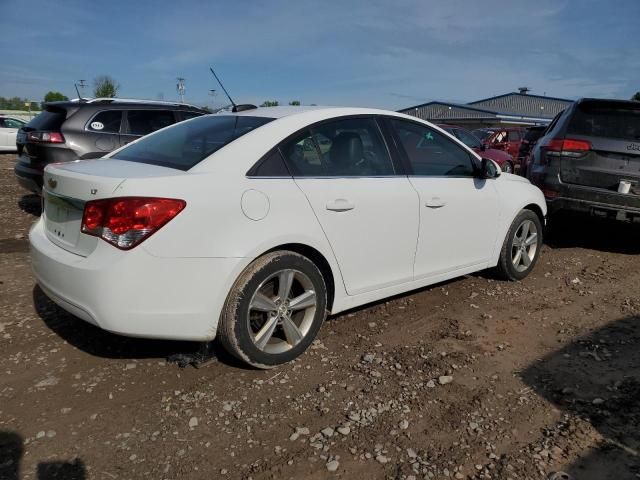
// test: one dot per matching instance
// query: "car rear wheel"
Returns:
(521, 247)
(274, 310)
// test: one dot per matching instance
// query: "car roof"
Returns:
(280, 112)
(122, 102)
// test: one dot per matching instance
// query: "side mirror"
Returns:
(489, 169)
(483, 147)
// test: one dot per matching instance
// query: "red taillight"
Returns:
(125, 222)
(568, 145)
(45, 137)
(564, 147)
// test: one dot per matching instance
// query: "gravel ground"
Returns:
(474, 378)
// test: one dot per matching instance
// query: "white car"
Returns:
(252, 226)
(8, 130)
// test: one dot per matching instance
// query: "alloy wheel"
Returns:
(524, 246)
(281, 311)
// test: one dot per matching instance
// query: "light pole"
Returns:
(180, 88)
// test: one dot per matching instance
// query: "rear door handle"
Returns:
(435, 202)
(340, 205)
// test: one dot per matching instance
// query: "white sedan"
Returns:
(8, 130)
(253, 226)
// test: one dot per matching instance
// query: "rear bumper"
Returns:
(134, 293)
(567, 196)
(27, 176)
(595, 201)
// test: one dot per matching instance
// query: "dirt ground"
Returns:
(471, 379)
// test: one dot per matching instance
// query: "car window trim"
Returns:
(407, 163)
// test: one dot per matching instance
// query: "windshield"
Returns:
(186, 144)
(468, 138)
(482, 134)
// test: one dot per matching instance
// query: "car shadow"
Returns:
(31, 204)
(12, 450)
(101, 343)
(597, 379)
(579, 230)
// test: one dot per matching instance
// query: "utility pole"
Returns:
(180, 88)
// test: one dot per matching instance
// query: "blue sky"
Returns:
(335, 52)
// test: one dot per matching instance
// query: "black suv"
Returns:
(72, 130)
(589, 159)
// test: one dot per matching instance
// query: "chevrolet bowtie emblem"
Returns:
(52, 183)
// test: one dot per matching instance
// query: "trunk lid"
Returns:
(609, 162)
(613, 129)
(68, 186)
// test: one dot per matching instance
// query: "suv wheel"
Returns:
(274, 310)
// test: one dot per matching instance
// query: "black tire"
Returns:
(237, 330)
(506, 268)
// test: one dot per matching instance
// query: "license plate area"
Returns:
(63, 217)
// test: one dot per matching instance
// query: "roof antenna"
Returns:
(223, 89)
(78, 91)
(236, 108)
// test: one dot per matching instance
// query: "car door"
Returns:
(368, 211)
(459, 212)
(4, 134)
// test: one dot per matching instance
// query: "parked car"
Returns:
(229, 225)
(589, 159)
(503, 159)
(531, 136)
(507, 139)
(73, 130)
(9, 127)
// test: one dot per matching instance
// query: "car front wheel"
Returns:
(274, 310)
(521, 247)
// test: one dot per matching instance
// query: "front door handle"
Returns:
(435, 202)
(340, 205)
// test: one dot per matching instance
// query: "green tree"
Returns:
(52, 96)
(294, 103)
(636, 97)
(270, 103)
(105, 86)
(17, 103)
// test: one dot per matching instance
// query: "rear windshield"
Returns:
(606, 120)
(49, 120)
(186, 144)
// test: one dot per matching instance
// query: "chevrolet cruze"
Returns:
(252, 226)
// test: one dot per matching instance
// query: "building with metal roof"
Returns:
(515, 108)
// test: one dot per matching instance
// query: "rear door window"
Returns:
(106, 122)
(188, 143)
(143, 122)
(606, 119)
(351, 147)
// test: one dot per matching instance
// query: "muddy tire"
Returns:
(521, 247)
(274, 310)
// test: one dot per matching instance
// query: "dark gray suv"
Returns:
(67, 131)
(588, 159)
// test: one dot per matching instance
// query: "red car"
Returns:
(506, 139)
(502, 158)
